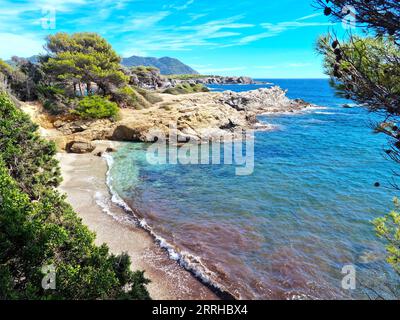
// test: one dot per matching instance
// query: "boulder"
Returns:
(80, 146)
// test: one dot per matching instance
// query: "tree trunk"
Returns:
(80, 89)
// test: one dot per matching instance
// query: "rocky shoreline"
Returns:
(197, 117)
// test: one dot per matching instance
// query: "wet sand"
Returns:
(85, 185)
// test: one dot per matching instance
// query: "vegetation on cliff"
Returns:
(184, 88)
(39, 231)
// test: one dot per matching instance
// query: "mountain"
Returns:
(33, 59)
(166, 65)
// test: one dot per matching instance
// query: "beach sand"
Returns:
(85, 186)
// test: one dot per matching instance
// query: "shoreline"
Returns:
(84, 183)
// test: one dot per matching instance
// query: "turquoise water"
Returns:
(286, 231)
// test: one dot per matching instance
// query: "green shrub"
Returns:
(96, 107)
(31, 159)
(38, 228)
(53, 99)
(126, 97)
(150, 97)
(143, 69)
(186, 87)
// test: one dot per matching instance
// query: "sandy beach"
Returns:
(85, 186)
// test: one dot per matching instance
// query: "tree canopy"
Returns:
(82, 59)
(367, 70)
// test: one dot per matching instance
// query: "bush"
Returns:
(31, 159)
(53, 99)
(38, 228)
(125, 97)
(149, 96)
(185, 88)
(144, 69)
(96, 107)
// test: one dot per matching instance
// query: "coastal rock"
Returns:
(213, 80)
(195, 117)
(80, 146)
(72, 126)
(261, 101)
(148, 78)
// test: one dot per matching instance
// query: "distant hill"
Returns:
(33, 59)
(166, 65)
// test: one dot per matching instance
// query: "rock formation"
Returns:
(195, 117)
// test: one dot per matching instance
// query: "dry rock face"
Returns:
(215, 80)
(80, 146)
(194, 117)
(150, 79)
(263, 101)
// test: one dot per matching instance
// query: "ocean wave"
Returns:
(185, 259)
(328, 113)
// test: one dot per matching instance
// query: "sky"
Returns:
(257, 38)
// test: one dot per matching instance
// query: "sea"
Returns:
(298, 227)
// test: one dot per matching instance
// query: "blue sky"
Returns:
(258, 38)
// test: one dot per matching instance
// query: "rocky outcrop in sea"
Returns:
(151, 79)
(220, 80)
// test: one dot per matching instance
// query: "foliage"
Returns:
(388, 228)
(96, 107)
(126, 97)
(47, 231)
(185, 87)
(378, 15)
(143, 69)
(149, 96)
(81, 59)
(30, 159)
(53, 98)
(20, 80)
(367, 70)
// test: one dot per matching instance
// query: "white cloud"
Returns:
(144, 21)
(275, 29)
(178, 38)
(20, 45)
(299, 65)
(309, 16)
(180, 7)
